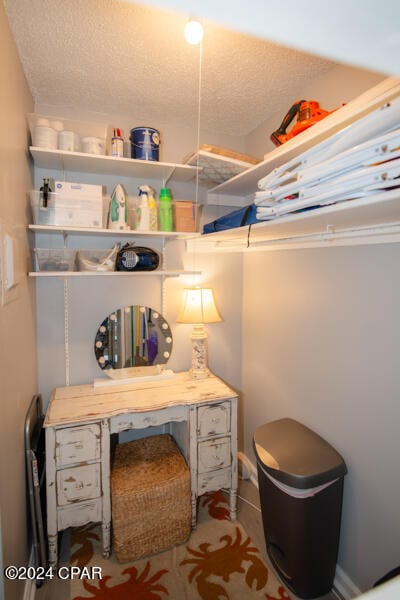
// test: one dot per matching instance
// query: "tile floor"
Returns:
(249, 515)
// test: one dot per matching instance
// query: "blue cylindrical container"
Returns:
(145, 143)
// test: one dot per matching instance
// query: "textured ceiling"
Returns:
(112, 57)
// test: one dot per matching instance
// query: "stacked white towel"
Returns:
(359, 160)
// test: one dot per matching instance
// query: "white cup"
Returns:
(68, 140)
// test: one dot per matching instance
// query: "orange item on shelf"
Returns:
(308, 112)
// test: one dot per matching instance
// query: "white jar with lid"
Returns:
(93, 145)
(44, 136)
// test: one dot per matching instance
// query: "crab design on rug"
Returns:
(217, 506)
(138, 586)
(222, 562)
(283, 595)
(83, 537)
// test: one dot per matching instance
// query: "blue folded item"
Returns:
(237, 218)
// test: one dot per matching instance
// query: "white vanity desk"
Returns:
(201, 415)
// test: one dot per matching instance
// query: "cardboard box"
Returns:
(185, 216)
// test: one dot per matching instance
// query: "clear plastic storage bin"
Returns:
(55, 259)
(67, 211)
(97, 260)
(43, 126)
(186, 215)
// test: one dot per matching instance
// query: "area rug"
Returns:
(218, 562)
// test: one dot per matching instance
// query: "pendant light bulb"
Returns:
(193, 32)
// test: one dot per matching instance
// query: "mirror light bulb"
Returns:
(193, 32)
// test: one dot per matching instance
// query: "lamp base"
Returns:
(199, 373)
(199, 368)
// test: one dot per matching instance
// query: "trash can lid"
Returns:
(296, 455)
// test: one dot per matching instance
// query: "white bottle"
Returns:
(143, 212)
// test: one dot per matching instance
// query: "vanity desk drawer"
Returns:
(79, 514)
(78, 484)
(214, 419)
(141, 420)
(210, 482)
(77, 444)
(214, 454)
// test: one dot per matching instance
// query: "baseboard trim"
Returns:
(344, 585)
(246, 469)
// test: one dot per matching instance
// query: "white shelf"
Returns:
(245, 183)
(110, 165)
(161, 273)
(111, 233)
(67, 230)
(365, 220)
(216, 168)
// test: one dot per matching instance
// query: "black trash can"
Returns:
(300, 480)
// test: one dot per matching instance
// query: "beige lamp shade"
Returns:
(198, 306)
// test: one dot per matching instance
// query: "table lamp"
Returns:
(198, 308)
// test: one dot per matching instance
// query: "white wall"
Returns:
(17, 319)
(320, 345)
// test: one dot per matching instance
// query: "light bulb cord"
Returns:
(198, 144)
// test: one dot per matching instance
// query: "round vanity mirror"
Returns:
(132, 336)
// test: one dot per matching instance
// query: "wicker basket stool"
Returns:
(150, 495)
